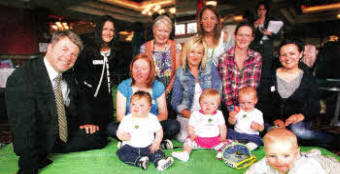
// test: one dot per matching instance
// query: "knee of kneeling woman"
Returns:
(173, 127)
(301, 130)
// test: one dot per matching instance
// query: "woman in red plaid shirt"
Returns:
(240, 66)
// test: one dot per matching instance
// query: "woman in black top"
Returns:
(290, 98)
(95, 67)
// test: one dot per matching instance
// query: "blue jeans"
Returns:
(233, 135)
(130, 155)
(304, 131)
(309, 136)
(170, 128)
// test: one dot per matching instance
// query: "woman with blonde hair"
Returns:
(191, 79)
(163, 51)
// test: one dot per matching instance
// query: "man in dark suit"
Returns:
(39, 123)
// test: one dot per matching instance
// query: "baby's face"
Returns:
(209, 104)
(281, 155)
(139, 107)
(247, 102)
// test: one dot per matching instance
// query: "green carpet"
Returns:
(105, 161)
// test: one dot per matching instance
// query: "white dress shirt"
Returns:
(53, 74)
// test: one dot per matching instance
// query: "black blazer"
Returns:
(90, 73)
(32, 110)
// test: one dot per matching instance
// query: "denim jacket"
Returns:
(184, 85)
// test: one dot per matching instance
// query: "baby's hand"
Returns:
(223, 139)
(125, 136)
(256, 126)
(279, 123)
(154, 147)
(192, 137)
(232, 115)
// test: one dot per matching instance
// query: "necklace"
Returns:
(154, 46)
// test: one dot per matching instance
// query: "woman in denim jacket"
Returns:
(191, 79)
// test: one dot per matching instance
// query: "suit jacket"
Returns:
(32, 110)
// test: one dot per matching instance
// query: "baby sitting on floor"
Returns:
(247, 119)
(142, 134)
(206, 128)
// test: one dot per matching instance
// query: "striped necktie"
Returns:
(62, 122)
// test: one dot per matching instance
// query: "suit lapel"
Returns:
(44, 87)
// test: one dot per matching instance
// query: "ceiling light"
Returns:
(172, 10)
(333, 38)
(58, 23)
(161, 11)
(124, 33)
(144, 12)
(238, 18)
(213, 3)
(157, 7)
(54, 27)
(316, 8)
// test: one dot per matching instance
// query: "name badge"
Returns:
(272, 89)
(98, 62)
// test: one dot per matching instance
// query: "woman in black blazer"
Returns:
(95, 68)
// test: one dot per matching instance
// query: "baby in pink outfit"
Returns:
(206, 128)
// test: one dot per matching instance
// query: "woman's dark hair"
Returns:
(265, 5)
(296, 42)
(99, 29)
(242, 24)
(218, 27)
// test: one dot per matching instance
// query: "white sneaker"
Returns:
(166, 144)
(251, 146)
(119, 144)
(164, 163)
(183, 156)
(143, 162)
(219, 155)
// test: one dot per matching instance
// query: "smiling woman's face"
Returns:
(161, 33)
(243, 37)
(108, 31)
(290, 56)
(195, 55)
(209, 20)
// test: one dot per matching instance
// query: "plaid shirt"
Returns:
(234, 79)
